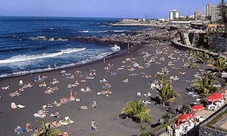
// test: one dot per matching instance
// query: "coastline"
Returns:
(122, 52)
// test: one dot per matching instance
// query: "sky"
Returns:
(101, 8)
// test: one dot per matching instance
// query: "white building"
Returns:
(174, 14)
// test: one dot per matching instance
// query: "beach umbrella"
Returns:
(183, 118)
(197, 107)
(211, 98)
(218, 95)
(214, 97)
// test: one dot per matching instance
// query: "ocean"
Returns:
(36, 44)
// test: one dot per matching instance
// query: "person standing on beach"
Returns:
(93, 126)
(55, 66)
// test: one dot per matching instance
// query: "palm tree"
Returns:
(193, 52)
(185, 108)
(137, 111)
(202, 57)
(47, 131)
(166, 93)
(211, 76)
(201, 84)
(191, 63)
(206, 84)
(143, 130)
(167, 116)
(219, 64)
(222, 12)
(162, 78)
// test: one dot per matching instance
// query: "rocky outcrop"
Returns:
(129, 38)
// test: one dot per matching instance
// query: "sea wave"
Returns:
(84, 31)
(115, 48)
(20, 58)
(92, 58)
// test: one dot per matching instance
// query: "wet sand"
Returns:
(106, 115)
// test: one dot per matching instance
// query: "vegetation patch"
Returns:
(215, 120)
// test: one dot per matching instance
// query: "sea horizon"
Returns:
(119, 18)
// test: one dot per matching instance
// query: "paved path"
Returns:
(204, 113)
(164, 134)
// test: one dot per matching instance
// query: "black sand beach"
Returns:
(106, 115)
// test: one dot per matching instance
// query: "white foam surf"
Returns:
(21, 58)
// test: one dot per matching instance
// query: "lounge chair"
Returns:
(37, 115)
(146, 102)
(14, 94)
(20, 106)
(103, 80)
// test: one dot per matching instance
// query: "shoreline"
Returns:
(122, 52)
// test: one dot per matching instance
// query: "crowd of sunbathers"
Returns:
(21, 89)
(50, 90)
(58, 122)
(106, 88)
(76, 83)
(44, 112)
(64, 100)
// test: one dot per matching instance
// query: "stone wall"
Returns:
(219, 44)
(208, 131)
(180, 46)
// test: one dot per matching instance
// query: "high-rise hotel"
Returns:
(211, 12)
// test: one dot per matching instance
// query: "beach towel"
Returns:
(37, 115)
(18, 130)
(20, 106)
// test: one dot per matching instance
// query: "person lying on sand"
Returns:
(57, 104)
(94, 104)
(56, 114)
(13, 94)
(55, 81)
(64, 100)
(125, 80)
(56, 124)
(29, 85)
(83, 108)
(5, 87)
(28, 127)
(43, 84)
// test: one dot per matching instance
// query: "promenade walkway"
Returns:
(224, 126)
(204, 113)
